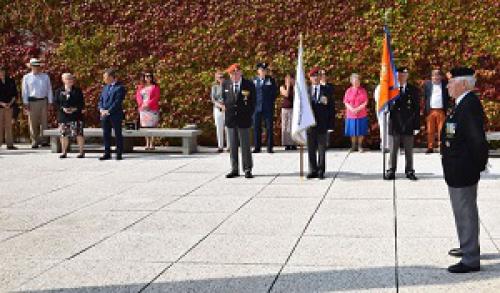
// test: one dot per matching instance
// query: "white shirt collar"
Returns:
(460, 98)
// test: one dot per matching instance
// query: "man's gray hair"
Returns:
(111, 72)
(354, 75)
(67, 75)
(470, 80)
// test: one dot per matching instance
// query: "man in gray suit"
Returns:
(238, 95)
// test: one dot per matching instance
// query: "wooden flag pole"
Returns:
(384, 142)
(301, 148)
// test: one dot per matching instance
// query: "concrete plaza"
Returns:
(172, 223)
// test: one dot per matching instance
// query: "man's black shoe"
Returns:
(321, 175)
(270, 151)
(45, 144)
(105, 157)
(456, 252)
(429, 151)
(232, 175)
(411, 176)
(461, 268)
(119, 157)
(34, 146)
(390, 175)
(256, 151)
(11, 148)
(312, 175)
(248, 175)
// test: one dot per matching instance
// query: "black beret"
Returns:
(403, 69)
(262, 65)
(461, 71)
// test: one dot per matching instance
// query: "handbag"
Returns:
(149, 118)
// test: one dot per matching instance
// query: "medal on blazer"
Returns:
(245, 94)
(450, 129)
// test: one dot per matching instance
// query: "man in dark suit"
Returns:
(436, 103)
(265, 93)
(324, 110)
(464, 155)
(238, 95)
(404, 122)
(111, 110)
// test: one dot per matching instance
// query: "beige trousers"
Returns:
(6, 126)
(38, 121)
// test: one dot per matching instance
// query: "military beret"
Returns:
(233, 67)
(403, 69)
(314, 71)
(262, 65)
(461, 71)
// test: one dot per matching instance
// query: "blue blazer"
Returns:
(265, 103)
(111, 99)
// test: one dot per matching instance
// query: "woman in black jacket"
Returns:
(69, 102)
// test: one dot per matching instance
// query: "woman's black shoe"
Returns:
(81, 156)
(63, 156)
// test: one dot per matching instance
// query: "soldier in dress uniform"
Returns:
(238, 95)
(323, 108)
(404, 123)
(464, 155)
(266, 91)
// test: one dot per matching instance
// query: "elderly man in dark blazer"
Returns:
(436, 103)
(404, 121)
(464, 155)
(266, 91)
(111, 110)
(317, 136)
(238, 95)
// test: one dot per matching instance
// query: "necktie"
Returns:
(401, 90)
(315, 93)
(236, 89)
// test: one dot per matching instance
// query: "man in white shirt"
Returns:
(37, 94)
(436, 102)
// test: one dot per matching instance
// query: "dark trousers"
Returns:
(408, 147)
(240, 137)
(257, 129)
(464, 205)
(107, 124)
(316, 149)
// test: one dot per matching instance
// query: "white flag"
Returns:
(303, 116)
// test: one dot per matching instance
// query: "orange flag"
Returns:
(389, 89)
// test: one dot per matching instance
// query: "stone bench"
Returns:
(494, 135)
(189, 137)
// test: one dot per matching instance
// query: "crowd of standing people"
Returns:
(398, 125)
(454, 121)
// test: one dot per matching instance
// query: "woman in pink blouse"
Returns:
(355, 101)
(148, 101)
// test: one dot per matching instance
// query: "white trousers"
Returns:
(219, 127)
(385, 140)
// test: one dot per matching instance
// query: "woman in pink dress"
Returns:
(356, 124)
(148, 101)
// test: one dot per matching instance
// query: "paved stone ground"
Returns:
(173, 223)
